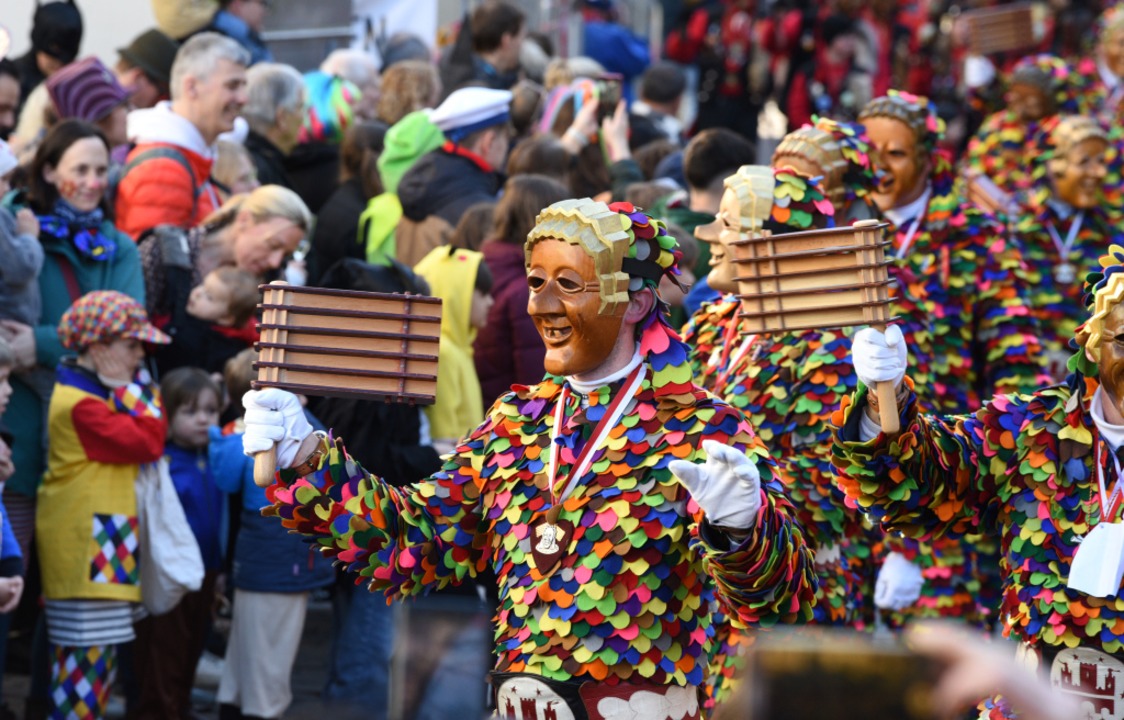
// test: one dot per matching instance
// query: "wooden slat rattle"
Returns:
(817, 280)
(999, 29)
(348, 344)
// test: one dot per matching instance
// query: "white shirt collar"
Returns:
(1112, 434)
(587, 386)
(901, 215)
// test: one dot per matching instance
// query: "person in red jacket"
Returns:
(165, 179)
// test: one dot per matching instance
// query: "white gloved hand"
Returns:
(878, 356)
(899, 583)
(727, 487)
(978, 71)
(274, 416)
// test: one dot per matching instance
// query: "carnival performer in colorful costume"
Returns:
(963, 305)
(1099, 78)
(607, 566)
(1041, 470)
(761, 376)
(1065, 228)
(1039, 88)
(839, 154)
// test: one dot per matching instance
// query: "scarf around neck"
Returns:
(83, 228)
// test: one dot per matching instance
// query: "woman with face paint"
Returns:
(83, 252)
(584, 493)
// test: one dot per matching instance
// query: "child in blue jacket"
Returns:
(272, 575)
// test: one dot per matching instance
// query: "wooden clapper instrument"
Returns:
(817, 280)
(344, 343)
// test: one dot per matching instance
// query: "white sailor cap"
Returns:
(471, 109)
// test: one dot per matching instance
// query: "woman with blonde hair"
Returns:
(408, 86)
(255, 232)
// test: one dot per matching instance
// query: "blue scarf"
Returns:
(83, 228)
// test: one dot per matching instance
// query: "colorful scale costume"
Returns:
(765, 393)
(1024, 467)
(631, 599)
(962, 306)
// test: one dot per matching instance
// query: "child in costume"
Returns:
(168, 646)
(105, 420)
(1064, 229)
(1040, 470)
(581, 493)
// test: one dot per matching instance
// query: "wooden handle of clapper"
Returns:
(887, 402)
(265, 467)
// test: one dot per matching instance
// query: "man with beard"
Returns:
(166, 176)
(964, 307)
(607, 567)
(1042, 471)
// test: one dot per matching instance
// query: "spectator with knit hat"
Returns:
(86, 90)
(465, 170)
(56, 35)
(145, 66)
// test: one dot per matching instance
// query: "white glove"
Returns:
(727, 487)
(274, 416)
(978, 71)
(899, 583)
(879, 357)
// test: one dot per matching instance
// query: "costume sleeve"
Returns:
(770, 576)
(128, 429)
(941, 474)
(1007, 342)
(403, 540)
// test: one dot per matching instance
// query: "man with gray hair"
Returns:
(275, 111)
(166, 176)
